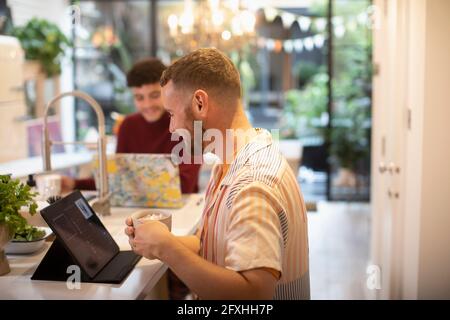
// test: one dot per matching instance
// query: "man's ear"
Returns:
(200, 104)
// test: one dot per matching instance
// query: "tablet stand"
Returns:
(53, 266)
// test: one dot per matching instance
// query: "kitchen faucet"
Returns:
(101, 204)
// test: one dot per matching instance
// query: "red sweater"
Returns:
(136, 135)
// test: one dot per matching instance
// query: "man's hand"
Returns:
(154, 241)
(149, 239)
(67, 184)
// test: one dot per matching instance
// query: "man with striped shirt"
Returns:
(253, 241)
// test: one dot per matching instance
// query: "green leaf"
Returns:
(13, 196)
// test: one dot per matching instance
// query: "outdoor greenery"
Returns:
(305, 71)
(305, 108)
(350, 134)
(244, 61)
(43, 41)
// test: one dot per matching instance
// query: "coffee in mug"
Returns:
(146, 215)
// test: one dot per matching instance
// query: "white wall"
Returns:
(421, 268)
(23, 10)
(414, 142)
(434, 266)
(426, 242)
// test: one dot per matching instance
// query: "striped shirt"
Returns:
(255, 217)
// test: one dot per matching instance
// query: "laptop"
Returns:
(143, 180)
(82, 240)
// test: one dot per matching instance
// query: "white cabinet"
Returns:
(13, 138)
(11, 64)
(410, 150)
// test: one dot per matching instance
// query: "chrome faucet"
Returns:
(101, 203)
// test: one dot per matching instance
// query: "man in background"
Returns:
(147, 130)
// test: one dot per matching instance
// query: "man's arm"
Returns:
(190, 242)
(207, 280)
(254, 220)
(210, 281)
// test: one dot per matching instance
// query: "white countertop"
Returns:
(23, 167)
(18, 285)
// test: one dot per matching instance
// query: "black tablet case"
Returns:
(53, 266)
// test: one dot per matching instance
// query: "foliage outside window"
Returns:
(304, 112)
(305, 108)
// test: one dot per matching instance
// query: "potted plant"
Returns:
(349, 143)
(13, 196)
(44, 42)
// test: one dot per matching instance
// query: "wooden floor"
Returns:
(339, 238)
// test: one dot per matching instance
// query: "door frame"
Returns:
(390, 94)
(414, 148)
(406, 74)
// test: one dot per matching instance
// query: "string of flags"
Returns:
(317, 25)
(291, 45)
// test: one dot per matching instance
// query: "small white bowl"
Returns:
(27, 247)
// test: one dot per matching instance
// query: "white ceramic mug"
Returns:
(48, 185)
(146, 215)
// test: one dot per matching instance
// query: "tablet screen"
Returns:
(81, 232)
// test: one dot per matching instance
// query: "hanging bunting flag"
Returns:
(319, 41)
(298, 45)
(288, 46)
(278, 46)
(287, 19)
(339, 31)
(270, 14)
(320, 24)
(308, 43)
(304, 23)
(270, 44)
(261, 42)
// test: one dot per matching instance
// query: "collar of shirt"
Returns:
(260, 141)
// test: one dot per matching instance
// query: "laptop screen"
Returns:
(81, 232)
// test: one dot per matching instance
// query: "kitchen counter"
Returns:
(23, 167)
(18, 285)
